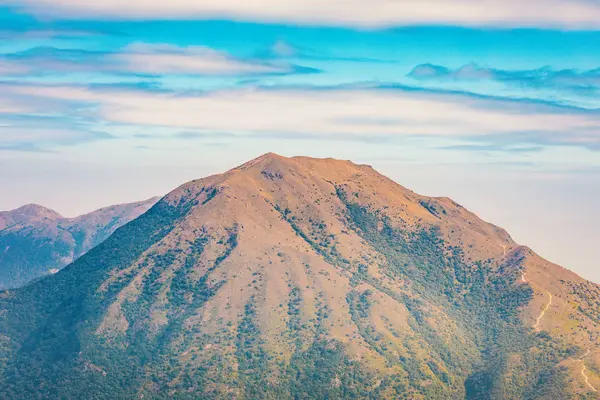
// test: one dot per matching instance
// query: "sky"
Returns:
(494, 103)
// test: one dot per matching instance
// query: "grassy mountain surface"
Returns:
(36, 241)
(299, 278)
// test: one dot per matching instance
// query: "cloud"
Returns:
(192, 135)
(493, 148)
(535, 78)
(158, 59)
(28, 32)
(45, 59)
(8, 68)
(466, 72)
(283, 49)
(30, 122)
(586, 137)
(24, 147)
(35, 139)
(575, 14)
(143, 59)
(430, 71)
(14, 105)
(27, 103)
(365, 114)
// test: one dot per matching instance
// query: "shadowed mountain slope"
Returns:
(36, 241)
(299, 278)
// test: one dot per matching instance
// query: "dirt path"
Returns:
(539, 319)
(504, 250)
(583, 371)
(546, 307)
(585, 377)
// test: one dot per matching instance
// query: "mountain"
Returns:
(37, 241)
(300, 278)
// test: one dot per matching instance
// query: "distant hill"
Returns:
(36, 241)
(300, 278)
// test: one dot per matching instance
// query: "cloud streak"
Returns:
(143, 59)
(362, 113)
(579, 88)
(38, 139)
(576, 14)
(158, 59)
(541, 77)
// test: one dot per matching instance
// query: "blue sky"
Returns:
(495, 106)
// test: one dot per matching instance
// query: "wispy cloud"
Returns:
(361, 113)
(20, 137)
(10, 68)
(39, 32)
(25, 147)
(494, 148)
(586, 137)
(157, 59)
(537, 78)
(143, 59)
(534, 13)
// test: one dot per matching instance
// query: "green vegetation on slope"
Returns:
(51, 322)
(484, 299)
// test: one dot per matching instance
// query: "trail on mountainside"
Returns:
(584, 369)
(539, 318)
(537, 328)
(546, 307)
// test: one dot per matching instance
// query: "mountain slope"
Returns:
(36, 241)
(303, 278)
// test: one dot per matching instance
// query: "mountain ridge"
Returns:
(35, 240)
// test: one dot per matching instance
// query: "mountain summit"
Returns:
(25, 214)
(301, 278)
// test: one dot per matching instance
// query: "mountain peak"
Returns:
(35, 210)
(26, 214)
(261, 160)
(298, 160)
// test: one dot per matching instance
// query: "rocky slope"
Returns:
(299, 278)
(36, 241)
